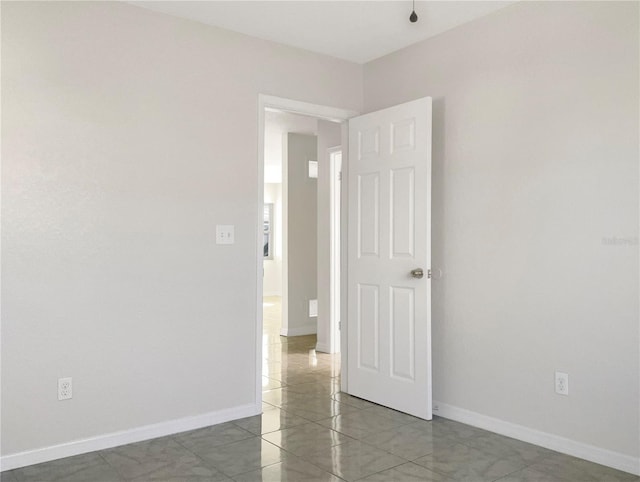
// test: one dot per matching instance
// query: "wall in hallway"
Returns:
(300, 194)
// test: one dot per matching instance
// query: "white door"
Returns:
(389, 307)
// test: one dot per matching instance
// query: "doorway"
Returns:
(268, 308)
(387, 346)
(289, 224)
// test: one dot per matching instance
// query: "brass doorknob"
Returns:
(417, 273)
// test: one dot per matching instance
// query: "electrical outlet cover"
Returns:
(65, 388)
(562, 383)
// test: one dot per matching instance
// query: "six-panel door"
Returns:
(389, 310)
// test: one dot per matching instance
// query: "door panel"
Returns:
(389, 329)
(368, 143)
(402, 212)
(368, 214)
(402, 333)
(368, 327)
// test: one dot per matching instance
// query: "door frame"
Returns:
(334, 114)
(335, 254)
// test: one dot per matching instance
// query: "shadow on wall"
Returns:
(438, 220)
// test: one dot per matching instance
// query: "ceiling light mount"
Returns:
(413, 18)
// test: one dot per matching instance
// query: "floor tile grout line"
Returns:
(492, 456)
(170, 437)
(206, 462)
(353, 439)
(388, 468)
(101, 455)
(261, 468)
(300, 457)
(520, 470)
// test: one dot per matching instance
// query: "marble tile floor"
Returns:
(310, 431)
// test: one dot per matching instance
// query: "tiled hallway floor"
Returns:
(309, 431)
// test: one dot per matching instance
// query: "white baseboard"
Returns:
(323, 347)
(308, 329)
(100, 442)
(567, 446)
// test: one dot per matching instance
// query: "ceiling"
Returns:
(358, 31)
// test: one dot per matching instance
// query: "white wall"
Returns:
(127, 136)
(300, 195)
(275, 125)
(272, 281)
(535, 164)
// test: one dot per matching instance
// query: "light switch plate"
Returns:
(313, 308)
(225, 234)
(313, 169)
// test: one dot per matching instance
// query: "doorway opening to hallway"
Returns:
(301, 266)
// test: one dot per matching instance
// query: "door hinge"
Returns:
(339, 326)
(340, 176)
(428, 274)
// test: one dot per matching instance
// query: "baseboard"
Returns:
(323, 347)
(308, 329)
(567, 446)
(77, 447)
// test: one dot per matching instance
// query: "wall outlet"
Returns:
(562, 383)
(65, 388)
